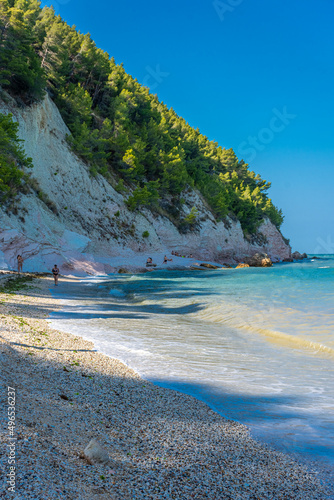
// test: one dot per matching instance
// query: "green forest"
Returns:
(118, 127)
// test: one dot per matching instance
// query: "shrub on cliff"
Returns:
(12, 159)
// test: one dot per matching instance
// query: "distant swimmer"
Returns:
(55, 272)
(19, 263)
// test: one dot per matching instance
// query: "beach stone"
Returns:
(95, 453)
(259, 260)
(209, 266)
(241, 265)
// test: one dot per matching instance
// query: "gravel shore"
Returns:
(161, 444)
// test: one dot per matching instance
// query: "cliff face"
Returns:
(93, 224)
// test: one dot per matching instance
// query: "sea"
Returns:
(255, 344)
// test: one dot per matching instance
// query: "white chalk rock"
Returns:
(95, 453)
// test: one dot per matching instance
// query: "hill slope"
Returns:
(82, 223)
(112, 169)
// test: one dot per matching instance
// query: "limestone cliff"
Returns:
(87, 223)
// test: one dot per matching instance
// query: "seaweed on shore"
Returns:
(16, 283)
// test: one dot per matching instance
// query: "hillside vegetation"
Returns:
(12, 160)
(118, 127)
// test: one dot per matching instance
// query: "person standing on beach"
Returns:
(55, 272)
(19, 263)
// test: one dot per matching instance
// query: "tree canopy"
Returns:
(117, 126)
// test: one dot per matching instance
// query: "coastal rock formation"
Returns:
(240, 266)
(259, 260)
(83, 223)
(298, 256)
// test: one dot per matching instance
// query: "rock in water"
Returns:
(239, 266)
(259, 260)
(299, 256)
(122, 270)
(208, 266)
(95, 453)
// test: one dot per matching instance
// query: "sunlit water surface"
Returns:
(256, 344)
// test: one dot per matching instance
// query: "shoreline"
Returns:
(135, 263)
(161, 443)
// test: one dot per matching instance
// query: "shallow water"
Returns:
(256, 344)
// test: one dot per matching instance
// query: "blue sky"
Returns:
(253, 75)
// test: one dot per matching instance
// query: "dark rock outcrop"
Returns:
(259, 260)
(299, 256)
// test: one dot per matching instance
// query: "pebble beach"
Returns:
(161, 444)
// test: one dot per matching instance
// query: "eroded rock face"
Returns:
(90, 224)
(259, 260)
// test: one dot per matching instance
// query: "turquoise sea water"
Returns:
(256, 344)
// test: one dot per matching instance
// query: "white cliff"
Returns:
(87, 225)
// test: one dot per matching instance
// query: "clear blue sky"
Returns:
(254, 75)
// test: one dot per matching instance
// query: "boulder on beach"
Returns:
(95, 453)
(259, 260)
(241, 265)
